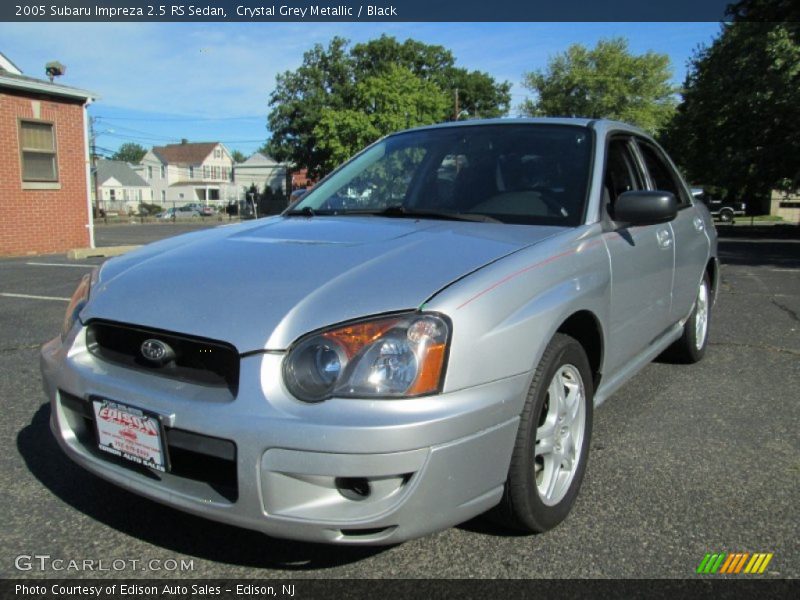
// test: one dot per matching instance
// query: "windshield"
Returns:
(512, 173)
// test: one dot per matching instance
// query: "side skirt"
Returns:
(612, 384)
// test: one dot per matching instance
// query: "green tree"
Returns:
(323, 96)
(324, 80)
(395, 99)
(238, 156)
(130, 152)
(606, 81)
(478, 93)
(739, 124)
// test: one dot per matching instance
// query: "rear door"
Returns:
(641, 263)
(691, 242)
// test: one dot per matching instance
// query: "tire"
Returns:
(691, 346)
(726, 216)
(544, 477)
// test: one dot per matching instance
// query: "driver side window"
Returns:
(622, 175)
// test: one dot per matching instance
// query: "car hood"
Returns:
(262, 284)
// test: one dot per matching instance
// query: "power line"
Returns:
(182, 119)
(137, 137)
(148, 133)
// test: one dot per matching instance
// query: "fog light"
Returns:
(353, 488)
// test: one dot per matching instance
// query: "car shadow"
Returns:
(161, 525)
(484, 525)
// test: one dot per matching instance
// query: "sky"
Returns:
(160, 82)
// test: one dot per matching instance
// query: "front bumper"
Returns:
(430, 462)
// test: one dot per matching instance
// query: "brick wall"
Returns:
(42, 221)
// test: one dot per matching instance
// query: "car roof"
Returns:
(600, 125)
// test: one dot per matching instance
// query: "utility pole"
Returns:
(96, 181)
(456, 112)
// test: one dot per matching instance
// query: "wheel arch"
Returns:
(712, 270)
(585, 328)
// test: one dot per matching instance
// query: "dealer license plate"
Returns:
(131, 433)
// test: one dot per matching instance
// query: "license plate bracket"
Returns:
(131, 433)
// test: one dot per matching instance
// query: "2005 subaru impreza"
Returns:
(423, 337)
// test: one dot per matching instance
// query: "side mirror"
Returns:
(645, 207)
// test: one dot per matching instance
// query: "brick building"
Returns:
(44, 165)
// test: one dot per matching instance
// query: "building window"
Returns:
(149, 173)
(191, 172)
(112, 195)
(213, 194)
(163, 195)
(38, 150)
(206, 171)
(163, 171)
(217, 153)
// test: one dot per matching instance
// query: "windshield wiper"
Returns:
(395, 211)
(400, 211)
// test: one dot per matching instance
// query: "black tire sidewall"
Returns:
(690, 335)
(529, 510)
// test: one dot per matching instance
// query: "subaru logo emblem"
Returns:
(156, 351)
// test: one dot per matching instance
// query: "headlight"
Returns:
(391, 357)
(78, 301)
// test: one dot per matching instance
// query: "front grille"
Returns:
(196, 360)
(193, 457)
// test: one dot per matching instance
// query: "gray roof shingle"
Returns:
(119, 170)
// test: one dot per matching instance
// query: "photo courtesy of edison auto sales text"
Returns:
(169, 589)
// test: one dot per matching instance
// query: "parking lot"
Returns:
(685, 460)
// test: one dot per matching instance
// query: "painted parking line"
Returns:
(785, 270)
(31, 297)
(41, 264)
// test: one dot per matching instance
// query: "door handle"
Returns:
(698, 224)
(664, 238)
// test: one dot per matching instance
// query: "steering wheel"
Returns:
(546, 194)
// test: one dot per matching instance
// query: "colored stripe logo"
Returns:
(734, 563)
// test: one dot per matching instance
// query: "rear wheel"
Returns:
(552, 444)
(691, 346)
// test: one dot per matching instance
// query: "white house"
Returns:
(121, 188)
(189, 172)
(260, 170)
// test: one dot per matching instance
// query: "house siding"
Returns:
(177, 185)
(43, 221)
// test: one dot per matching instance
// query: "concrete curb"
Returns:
(79, 253)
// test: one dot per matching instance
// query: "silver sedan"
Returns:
(420, 339)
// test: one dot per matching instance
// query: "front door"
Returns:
(641, 265)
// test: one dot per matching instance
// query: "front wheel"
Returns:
(726, 216)
(552, 444)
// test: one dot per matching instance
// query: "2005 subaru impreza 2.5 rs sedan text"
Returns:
(421, 338)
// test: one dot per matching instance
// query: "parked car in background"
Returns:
(207, 211)
(723, 210)
(180, 212)
(401, 360)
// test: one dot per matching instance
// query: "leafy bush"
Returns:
(150, 209)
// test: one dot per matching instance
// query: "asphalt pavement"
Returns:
(685, 460)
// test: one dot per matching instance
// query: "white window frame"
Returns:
(54, 152)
